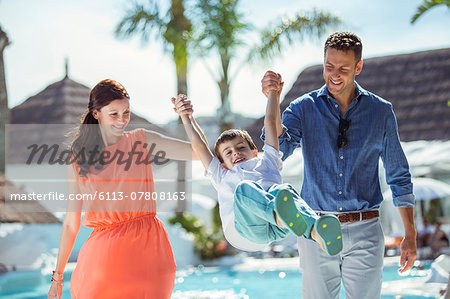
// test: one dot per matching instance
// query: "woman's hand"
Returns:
(55, 291)
(182, 105)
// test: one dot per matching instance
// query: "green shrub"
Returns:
(208, 245)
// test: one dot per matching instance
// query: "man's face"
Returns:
(339, 71)
(236, 151)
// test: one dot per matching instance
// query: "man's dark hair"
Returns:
(345, 41)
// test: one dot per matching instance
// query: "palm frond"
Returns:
(427, 5)
(220, 25)
(313, 24)
(140, 20)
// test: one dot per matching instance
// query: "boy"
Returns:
(255, 207)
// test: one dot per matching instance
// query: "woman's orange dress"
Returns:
(128, 255)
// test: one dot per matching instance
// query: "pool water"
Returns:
(196, 282)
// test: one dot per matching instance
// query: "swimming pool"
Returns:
(195, 282)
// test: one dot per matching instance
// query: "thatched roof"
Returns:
(57, 110)
(62, 102)
(417, 84)
(15, 211)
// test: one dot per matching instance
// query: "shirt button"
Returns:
(336, 105)
(340, 174)
(342, 157)
(340, 209)
(340, 192)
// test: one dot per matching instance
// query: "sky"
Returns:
(43, 33)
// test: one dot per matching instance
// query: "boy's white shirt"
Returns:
(264, 170)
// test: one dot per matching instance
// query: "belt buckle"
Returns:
(360, 216)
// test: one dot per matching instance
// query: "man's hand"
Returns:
(182, 105)
(272, 82)
(408, 253)
(408, 248)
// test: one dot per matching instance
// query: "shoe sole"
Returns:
(328, 228)
(288, 213)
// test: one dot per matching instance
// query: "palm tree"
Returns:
(222, 30)
(175, 30)
(426, 5)
(4, 110)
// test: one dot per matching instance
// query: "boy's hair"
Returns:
(230, 135)
(345, 41)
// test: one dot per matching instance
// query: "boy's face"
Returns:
(236, 151)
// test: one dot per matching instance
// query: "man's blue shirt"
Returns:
(346, 179)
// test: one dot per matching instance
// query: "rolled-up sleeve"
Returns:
(396, 165)
(290, 138)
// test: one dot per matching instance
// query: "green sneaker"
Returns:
(288, 213)
(328, 228)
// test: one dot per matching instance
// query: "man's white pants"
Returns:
(359, 264)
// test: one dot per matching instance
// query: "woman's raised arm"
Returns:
(171, 148)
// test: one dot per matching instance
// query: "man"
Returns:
(343, 130)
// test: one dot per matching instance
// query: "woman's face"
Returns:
(114, 117)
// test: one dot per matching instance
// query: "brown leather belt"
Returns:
(353, 217)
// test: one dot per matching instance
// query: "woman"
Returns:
(128, 255)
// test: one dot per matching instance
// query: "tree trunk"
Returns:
(4, 110)
(177, 34)
(181, 69)
(224, 113)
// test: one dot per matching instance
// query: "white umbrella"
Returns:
(425, 189)
(202, 203)
(201, 207)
